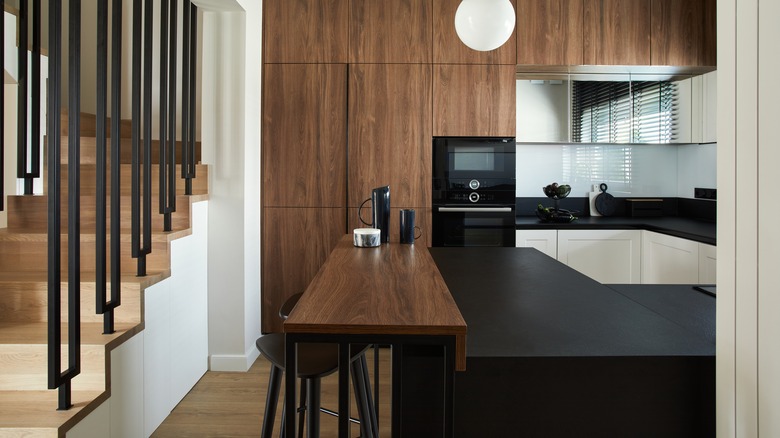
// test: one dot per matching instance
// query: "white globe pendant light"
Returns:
(484, 25)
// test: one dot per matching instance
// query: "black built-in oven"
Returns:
(473, 191)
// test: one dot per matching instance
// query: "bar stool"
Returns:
(315, 361)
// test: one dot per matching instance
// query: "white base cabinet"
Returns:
(669, 260)
(626, 256)
(545, 241)
(707, 262)
(607, 256)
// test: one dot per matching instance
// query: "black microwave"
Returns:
(457, 158)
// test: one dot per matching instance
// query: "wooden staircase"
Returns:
(27, 407)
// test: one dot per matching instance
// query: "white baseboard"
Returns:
(233, 362)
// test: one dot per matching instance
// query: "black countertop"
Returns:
(518, 302)
(686, 228)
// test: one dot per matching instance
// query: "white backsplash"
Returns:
(629, 170)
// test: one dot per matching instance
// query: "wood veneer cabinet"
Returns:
(683, 32)
(549, 32)
(305, 31)
(390, 132)
(304, 135)
(616, 32)
(397, 31)
(296, 242)
(474, 100)
(449, 49)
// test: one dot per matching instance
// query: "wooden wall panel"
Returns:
(616, 32)
(474, 100)
(677, 32)
(448, 48)
(304, 135)
(305, 31)
(390, 132)
(296, 242)
(709, 45)
(422, 219)
(397, 31)
(549, 32)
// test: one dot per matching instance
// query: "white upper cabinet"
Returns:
(704, 108)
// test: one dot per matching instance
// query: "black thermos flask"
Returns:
(407, 226)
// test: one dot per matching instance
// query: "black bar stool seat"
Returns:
(315, 361)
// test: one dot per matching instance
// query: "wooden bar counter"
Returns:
(391, 294)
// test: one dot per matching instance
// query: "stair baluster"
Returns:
(2, 113)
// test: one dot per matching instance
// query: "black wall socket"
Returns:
(700, 193)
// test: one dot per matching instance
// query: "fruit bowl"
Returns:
(555, 191)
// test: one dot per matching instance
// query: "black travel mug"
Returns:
(407, 226)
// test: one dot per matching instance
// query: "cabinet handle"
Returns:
(475, 209)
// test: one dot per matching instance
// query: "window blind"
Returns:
(624, 112)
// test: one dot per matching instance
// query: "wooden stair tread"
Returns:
(33, 410)
(41, 276)
(36, 333)
(157, 236)
(26, 409)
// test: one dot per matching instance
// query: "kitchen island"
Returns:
(393, 295)
(551, 352)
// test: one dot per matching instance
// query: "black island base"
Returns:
(552, 353)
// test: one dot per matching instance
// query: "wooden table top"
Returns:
(393, 289)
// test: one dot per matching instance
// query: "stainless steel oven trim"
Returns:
(475, 209)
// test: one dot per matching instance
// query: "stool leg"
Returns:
(313, 408)
(271, 400)
(361, 398)
(302, 411)
(371, 401)
(283, 427)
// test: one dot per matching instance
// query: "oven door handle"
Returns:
(475, 209)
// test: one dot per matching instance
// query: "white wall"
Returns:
(231, 139)
(748, 354)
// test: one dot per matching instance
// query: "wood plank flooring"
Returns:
(229, 404)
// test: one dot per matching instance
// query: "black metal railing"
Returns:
(167, 194)
(142, 36)
(189, 63)
(58, 379)
(29, 153)
(103, 307)
(2, 111)
(141, 154)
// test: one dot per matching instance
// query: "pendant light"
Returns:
(484, 25)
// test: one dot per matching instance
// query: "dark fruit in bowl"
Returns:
(556, 191)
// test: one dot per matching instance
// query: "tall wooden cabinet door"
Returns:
(709, 46)
(390, 132)
(296, 242)
(616, 32)
(304, 135)
(549, 32)
(677, 32)
(397, 31)
(449, 49)
(305, 31)
(474, 100)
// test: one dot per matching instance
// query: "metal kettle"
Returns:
(380, 212)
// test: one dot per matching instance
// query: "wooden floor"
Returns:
(226, 404)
